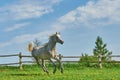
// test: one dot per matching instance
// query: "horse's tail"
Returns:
(30, 46)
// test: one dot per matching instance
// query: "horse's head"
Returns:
(58, 38)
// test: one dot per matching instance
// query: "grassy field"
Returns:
(72, 72)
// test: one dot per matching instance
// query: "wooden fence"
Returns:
(20, 56)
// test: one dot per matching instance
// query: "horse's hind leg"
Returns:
(37, 60)
(44, 67)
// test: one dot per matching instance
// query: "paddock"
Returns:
(72, 72)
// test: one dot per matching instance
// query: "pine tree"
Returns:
(101, 50)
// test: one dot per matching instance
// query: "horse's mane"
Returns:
(45, 45)
(51, 36)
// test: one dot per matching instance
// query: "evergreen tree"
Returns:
(101, 50)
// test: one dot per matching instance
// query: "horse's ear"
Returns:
(57, 32)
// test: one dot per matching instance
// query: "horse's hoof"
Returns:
(62, 71)
(48, 74)
(53, 72)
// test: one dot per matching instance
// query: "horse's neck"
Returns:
(51, 45)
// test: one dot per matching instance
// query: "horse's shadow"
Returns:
(22, 74)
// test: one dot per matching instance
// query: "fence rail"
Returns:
(9, 55)
(21, 56)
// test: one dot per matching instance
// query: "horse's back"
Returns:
(41, 53)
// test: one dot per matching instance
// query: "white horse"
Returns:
(47, 52)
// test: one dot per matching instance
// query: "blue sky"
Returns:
(79, 21)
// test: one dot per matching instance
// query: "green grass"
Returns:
(71, 72)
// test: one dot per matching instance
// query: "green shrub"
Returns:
(88, 61)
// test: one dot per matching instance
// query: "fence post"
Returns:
(60, 57)
(20, 60)
(100, 61)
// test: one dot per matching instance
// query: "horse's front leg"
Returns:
(54, 70)
(37, 60)
(44, 67)
(60, 64)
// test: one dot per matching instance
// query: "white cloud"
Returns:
(30, 37)
(15, 26)
(4, 44)
(25, 9)
(27, 38)
(94, 13)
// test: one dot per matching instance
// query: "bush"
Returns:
(88, 61)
